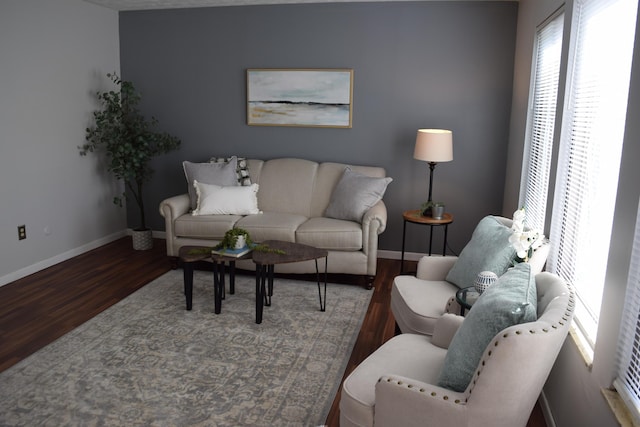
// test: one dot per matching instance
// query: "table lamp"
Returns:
(433, 146)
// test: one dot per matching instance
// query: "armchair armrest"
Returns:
(445, 328)
(407, 402)
(435, 267)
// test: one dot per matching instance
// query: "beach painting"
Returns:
(300, 97)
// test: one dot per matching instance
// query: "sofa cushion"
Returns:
(242, 169)
(210, 227)
(488, 250)
(510, 301)
(272, 226)
(329, 233)
(355, 194)
(234, 200)
(209, 173)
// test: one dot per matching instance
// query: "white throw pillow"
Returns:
(228, 200)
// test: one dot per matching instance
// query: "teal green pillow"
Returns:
(488, 250)
(510, 301)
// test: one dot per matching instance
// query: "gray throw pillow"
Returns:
(242, 170)
(354, 195)
(512, 300)
(488, 250)
(223, 174)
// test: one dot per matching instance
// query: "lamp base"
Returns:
(427, 211)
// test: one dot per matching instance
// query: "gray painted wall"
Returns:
(573, 391)
(416, 64)
(54, 56)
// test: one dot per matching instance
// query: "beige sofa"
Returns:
(292, 197)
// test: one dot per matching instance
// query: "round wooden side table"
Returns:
(415, 217)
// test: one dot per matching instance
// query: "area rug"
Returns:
(148, 361)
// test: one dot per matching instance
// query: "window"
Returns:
(628, 381)
(589, 151)
(541, 121)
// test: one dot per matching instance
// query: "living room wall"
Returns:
(416, 64)
(53, 56)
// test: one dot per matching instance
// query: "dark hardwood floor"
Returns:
(38, 309)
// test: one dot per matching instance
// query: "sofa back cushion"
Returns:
(286, 185)
(300, 186)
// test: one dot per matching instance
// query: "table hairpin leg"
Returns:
(218, 286)
(187, 271)
(322, 305)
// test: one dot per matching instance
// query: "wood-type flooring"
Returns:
(38, 309)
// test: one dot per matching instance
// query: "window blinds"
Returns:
(628, 357)
(590, 148)
(541, 121)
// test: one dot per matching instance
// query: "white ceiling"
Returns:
(175, 4)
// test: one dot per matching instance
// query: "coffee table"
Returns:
(191, 254)
(266, 261)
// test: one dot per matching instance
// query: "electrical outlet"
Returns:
(22, 232)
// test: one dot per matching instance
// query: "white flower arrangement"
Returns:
(524, 241)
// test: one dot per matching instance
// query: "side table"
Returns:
(293, 252)
(466, 297)
(189, 255)
(415, 216)
(218, 277)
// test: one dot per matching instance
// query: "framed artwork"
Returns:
(300, 97)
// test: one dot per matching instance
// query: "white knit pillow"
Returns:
(231, 200)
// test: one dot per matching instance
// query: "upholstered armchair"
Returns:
(417, 302)
(398, 384)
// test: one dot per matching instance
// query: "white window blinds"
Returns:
(541, 121)
(590, 147)
(628, 382)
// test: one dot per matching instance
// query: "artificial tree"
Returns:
(129, 140)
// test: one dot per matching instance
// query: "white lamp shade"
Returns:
(434, 145)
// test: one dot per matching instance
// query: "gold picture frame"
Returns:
(313, 97)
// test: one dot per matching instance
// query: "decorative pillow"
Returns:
(488, 250)
(242, 170)
(510, 301)
(232, 200)
(209, 173)
(354, 195)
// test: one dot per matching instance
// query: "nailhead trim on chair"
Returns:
(422, 390)
(565, 318)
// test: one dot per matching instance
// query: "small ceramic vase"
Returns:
(484, 280)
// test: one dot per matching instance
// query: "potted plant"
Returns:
(130, 142)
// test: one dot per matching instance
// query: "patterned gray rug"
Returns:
(148, 361)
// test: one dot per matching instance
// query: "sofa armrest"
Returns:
(435, 267)
(403, 401)
(374, 222)
(171, 209)
(376, 217)
(175, 206)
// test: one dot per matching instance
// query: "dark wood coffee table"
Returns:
(192, 254)
(293, 252)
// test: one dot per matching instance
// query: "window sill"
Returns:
(618, 407)
(583, 346)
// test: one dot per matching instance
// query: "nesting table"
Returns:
(265, 266)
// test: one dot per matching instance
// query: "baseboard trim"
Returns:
(408, 256)
(34, 268)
